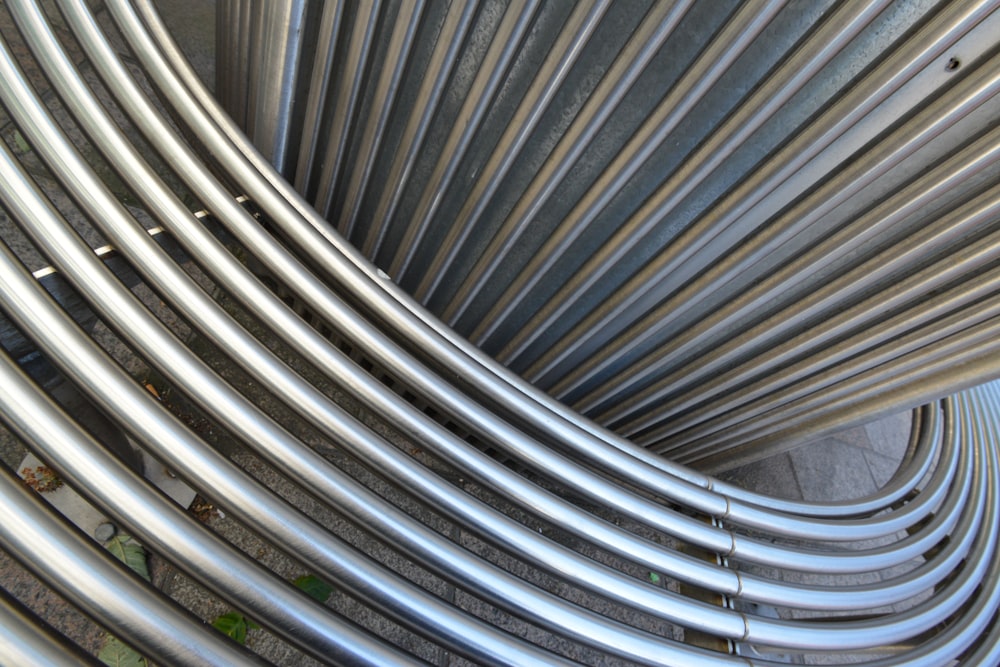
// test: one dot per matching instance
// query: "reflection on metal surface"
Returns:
(446, 498)
(715, 228)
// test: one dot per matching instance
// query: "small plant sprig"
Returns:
(129, 552)
(21, 142)
(115, 652)
(314, 587)
(235, 625)
(202, 509)
(42, 479)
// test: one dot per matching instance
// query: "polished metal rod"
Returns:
(482, 481)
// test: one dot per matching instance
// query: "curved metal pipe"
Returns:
(28, 640)
(414, 327)
(92, 578)
(78, 263)
(943, 494)
(469, 413)
(635, 549)
(690, 261)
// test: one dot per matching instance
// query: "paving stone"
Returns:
(12, 450)
(832, 470)
(192, 25)
(829, 580)
(845, 659)
(890, 435)
(856, 437)
(882, 467)
(773, 476)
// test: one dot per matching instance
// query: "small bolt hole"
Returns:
(953, 64)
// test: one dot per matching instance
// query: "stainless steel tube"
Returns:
(446, 498)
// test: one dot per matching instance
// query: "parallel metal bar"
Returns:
(442, 63)
(566, 49)
(497, 60)
(94, 579)
(466, 455)
(616, 306)
(650, 36)
(739, 32)
(236, 414)
(378, 290)
(28, 640)
(320, 81)
(901, 206)
(407, 21)
(719, 226)
(595, 486)
(346, 99)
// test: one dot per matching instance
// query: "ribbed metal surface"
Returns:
(436, 490)
(709, 226)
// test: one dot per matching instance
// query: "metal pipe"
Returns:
(91, 577)
(657, 462)
(936, 118)
(645, 512)
(615, 498)
(29, 640)
(656, 27)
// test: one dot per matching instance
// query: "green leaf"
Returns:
(117, 653)
(130, 553)
(234, 625)
(314, 587)
(21, 143)
(654, 578)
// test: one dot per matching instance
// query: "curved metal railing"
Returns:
(716, 228)
(359, 436)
